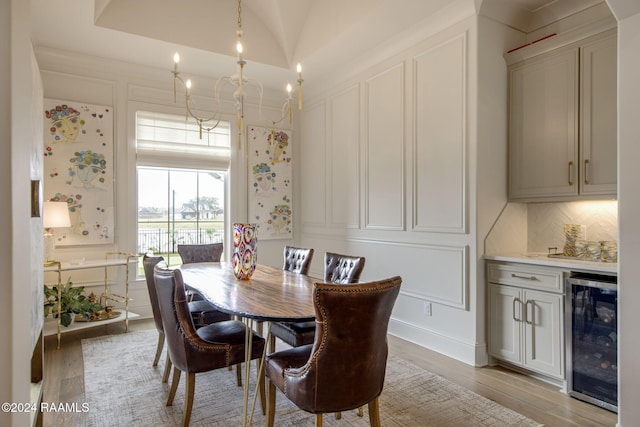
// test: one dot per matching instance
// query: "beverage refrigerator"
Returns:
(592, 339)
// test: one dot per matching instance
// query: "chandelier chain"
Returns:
(239, 15)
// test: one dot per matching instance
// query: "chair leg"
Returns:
(175, 380)
(167, 368)
(272, 344)
(318, 420)
(271, 404)
(239, 374)
(374, 413)
(188, 398)
(158, 349)
(361, 411)
(338, 415)
(263, 398)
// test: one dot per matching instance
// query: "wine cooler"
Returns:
(592, 339)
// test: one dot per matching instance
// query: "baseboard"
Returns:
(470, 353)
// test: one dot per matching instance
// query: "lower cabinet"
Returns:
(525, 318)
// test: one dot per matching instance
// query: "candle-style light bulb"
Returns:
(299, 70)
(176, 59)
(188, 85)
(289, 89)
(239, 50)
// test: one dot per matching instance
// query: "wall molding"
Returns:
(381, 130)
(439, 119)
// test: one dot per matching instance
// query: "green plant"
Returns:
(72, 302)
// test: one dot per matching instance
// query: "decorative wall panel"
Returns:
(345, 160)
(443, 275)
(384, 169)
(440, 137)
(78, 169)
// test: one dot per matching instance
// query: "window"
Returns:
(181, 183)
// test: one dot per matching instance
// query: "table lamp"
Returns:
(54, 215)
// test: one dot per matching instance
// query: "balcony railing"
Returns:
(158, 240)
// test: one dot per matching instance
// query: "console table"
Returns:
(111, 259)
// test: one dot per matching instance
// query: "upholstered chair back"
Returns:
(209, 252)
(342, 269)
(148, 263)
(297, 260)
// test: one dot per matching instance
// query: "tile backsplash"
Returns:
(535, 227)
(545, 222)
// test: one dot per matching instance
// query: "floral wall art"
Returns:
(78, 169)
(269, 178)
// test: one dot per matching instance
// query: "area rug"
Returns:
(123, 389)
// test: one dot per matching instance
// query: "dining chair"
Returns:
(203, 312)
(297, 260)
(344, 367)
(339, 269)
(206, 252)
(148, 263)
(192, 351)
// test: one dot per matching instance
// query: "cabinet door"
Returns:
(598, 154)
(543, 126)
(505, 314)
(543, 333)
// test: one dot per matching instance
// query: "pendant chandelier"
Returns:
(240, 81)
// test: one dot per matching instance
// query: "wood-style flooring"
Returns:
(64, 382)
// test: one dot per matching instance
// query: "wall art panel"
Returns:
(269, 176)
(79, 169)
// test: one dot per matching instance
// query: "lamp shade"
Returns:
(55, 215)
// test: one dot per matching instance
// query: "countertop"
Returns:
(563, 263)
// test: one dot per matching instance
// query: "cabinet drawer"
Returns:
(526, 276)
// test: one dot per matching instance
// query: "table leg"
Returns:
(260, 374)
(248, 342)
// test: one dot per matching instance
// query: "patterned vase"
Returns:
(245, 252)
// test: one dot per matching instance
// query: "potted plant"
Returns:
(72, 302)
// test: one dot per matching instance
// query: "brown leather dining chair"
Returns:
(325, 377)
(297, 260)
(203, 312)
(340, 269)
(199, 350)
(196, 309)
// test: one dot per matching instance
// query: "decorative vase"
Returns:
(245, 255)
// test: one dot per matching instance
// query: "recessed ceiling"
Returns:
(277, 33)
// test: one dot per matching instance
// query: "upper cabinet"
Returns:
(562, 122)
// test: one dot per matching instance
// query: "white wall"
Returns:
(396, 164)
(628, 208)
(22, 253)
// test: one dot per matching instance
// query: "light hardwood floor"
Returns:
(64, 382)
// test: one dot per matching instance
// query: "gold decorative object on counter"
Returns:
(609, 251)
(573, 233)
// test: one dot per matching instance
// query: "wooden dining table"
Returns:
(270, 295)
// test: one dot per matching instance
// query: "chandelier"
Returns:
(240, 81)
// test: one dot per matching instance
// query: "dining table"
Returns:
(269, 295)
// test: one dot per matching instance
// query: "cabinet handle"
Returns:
(523, 277)
(586, 169)
(513, 308)
(570, 170)
(526, 312)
